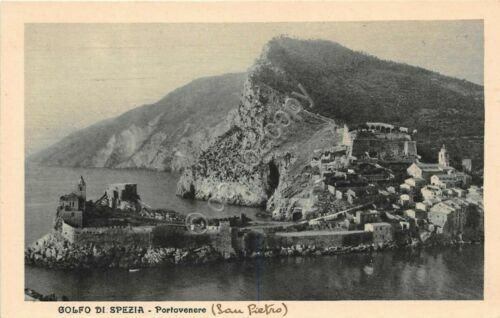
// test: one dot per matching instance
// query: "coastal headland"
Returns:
(322, 137)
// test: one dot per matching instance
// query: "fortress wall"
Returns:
(253, 241)
(223, 241)
(178, 237)
(338, 239)
(383, 147)
(123, 236)
(68, 232)
(147, 236)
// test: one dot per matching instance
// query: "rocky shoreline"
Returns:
(53, 251)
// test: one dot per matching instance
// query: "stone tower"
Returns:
(81, 192)
(443, 157)
(467, 165)
(346, 137)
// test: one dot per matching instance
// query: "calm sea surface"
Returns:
(455, 273)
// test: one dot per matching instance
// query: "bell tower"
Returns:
(443, 157)
(81, 192)
(346, 137)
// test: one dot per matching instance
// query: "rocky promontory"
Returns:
(54, 251)
(269, 140)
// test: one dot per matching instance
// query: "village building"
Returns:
(425, 171)
(416, 183)
(463, 179)
(363, 217)
(404, 225)
(430, 202)
(405, 188)
(397, 221)
(448, 193)
(446, 175)
(450, 180)
(331, 189)
(444, 180)
(315, 162)
(382, 232)
(430, 192)
(415, 214)
(382, 127)
(422, 206)
(449, 216)
(279, 214)
(459, 192)
(475, 196)
(375, 173)
(338, 195)
(391, 189)
(330, 160)
(405, 200)
(467, 165)
(69, 202)
(352, 195)
(384, 193)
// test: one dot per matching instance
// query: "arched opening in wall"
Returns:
(296, 216)
(189, 194)
(273, 178)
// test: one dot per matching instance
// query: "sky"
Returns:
(79, 74)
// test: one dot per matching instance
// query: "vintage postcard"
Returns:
(249, 159)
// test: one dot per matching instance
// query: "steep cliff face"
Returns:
(166, 135)
(269, 141)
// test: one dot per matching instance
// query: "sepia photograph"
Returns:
(254, 161)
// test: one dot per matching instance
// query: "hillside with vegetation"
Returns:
(161, 136)
(355, 88)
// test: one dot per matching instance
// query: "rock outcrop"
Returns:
(269, 141)
(54, 251)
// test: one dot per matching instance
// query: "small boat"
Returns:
(32, 295)
(133, 270)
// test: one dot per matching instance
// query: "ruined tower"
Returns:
(443, 157)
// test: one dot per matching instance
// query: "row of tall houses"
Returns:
(449, 216)
(432, 198)
(444, 202)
